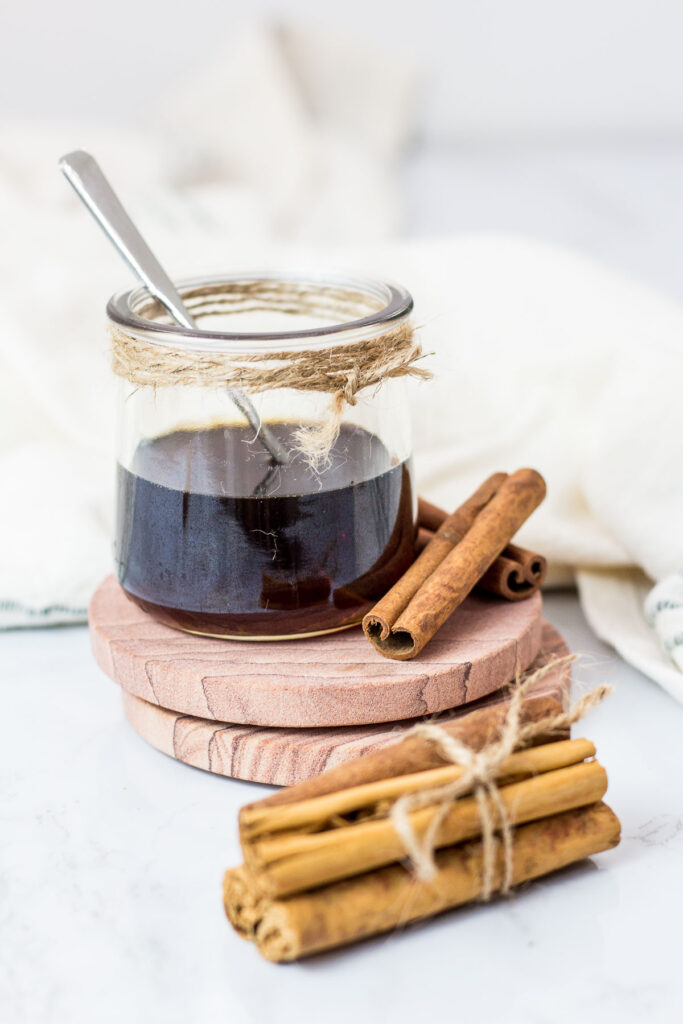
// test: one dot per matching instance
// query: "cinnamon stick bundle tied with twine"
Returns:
(341, 371)
(321, 871)
(462, 551)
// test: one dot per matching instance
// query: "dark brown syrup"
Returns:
(213, 537)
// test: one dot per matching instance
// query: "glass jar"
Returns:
(213, 535)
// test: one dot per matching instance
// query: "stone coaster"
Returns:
(285, 756)
(339, 679)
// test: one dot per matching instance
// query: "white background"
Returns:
(494, 68)
(561, 119)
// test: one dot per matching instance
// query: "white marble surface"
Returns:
(112, 858)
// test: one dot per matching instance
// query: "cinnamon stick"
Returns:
(423, 539)
(507, 577)
(448, 535)
(430, 517)
(510, 579)
(534, 565)
(244, 904)
(381, 900)
(516, 573)
(404, 621)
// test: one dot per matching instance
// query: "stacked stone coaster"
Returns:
(282, 757)
(283, 711)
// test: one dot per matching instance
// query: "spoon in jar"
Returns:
(84, 174)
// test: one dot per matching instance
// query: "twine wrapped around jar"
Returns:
(341, 371)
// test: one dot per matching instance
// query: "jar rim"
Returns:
(123, 307)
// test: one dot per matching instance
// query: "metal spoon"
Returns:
(83, 172)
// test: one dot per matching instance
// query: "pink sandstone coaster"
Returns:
(339, 679)
(282, 757)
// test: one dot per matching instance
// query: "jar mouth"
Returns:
(138, 313)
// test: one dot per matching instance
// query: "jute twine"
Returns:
(482, 768)
(341, 371)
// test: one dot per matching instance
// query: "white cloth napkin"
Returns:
(664, 612)
(542, 357)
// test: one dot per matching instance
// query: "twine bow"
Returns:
(481, 770)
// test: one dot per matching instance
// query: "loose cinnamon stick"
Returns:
(509, 579)
(424, 537)
(430, 517)
(534, 565)
(516, 573)
(408, 616)
(289, 864)
(450, 533)
(389, 897)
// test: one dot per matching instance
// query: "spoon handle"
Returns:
(85, 175)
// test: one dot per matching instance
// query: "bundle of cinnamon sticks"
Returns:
(322, 860)
(468, 548)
